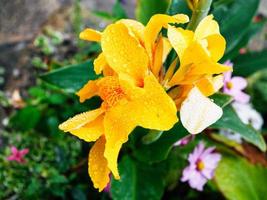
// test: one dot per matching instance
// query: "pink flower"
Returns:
(17, 155)
(234, 86)
(202, 164)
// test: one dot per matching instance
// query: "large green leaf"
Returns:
(230, 121)
(146, 8)
(221, 99)
(71, 78)
(158, 150)
(138, 181)
(249, 63)
(239, 180)
(234, 17)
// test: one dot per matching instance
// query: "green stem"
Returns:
(199, 13)
(151, 136)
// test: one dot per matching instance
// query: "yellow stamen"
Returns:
(200, 165)
(229, 85)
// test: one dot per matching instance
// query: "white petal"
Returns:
(198, 112)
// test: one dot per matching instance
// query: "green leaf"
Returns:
(138, 181)
(237, 179)
(257, 87)
(158, 150)
(26, 118)
(179, 6)
(221, 99)
(71, 78)
(249, 63)
(252, 30)
(231, 121)
(118, 11)
(234, 17)
(146, 8)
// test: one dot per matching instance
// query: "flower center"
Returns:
(229, 85)
(110, 91)
(200, 165)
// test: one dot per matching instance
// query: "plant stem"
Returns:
(199, 13)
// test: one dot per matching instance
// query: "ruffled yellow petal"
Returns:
(91, 131)
(207, 27)
(180, 39)
(90, 35)
(89, 90)
(136, 27)
(97, 165)
(216, 46)
(80, 120)
(123, 51)
(148, 107)
(154, 26)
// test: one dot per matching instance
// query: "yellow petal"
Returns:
(100, 63)
(170, 71)
(136, 27)
(90, 132)
(90, 35)
(167, 47)
(148, 107)
(123, 51)
(80, 120)
(180, 39)
(97, 165)
(89, 90)
(154, 26)
(207, 27)
(216, 46)
(198, 112)
(118, 124)
(157, 61)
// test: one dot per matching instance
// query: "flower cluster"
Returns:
(137, 89)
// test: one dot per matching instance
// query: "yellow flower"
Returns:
(199, 74)
(198, 52)
(131, 94)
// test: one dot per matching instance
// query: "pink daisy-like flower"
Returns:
(17, 155)
(234, 86)
(202, 164)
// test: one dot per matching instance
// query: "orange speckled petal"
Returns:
(91, 131)
(80, 120)
(123, 51)
(97, 165)
(90, 35)
(154, 26)
(89, 90)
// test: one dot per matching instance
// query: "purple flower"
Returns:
(234, 86)
(17, 155)
(202, 164)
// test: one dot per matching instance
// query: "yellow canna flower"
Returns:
(131, 94)
(198, 51)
